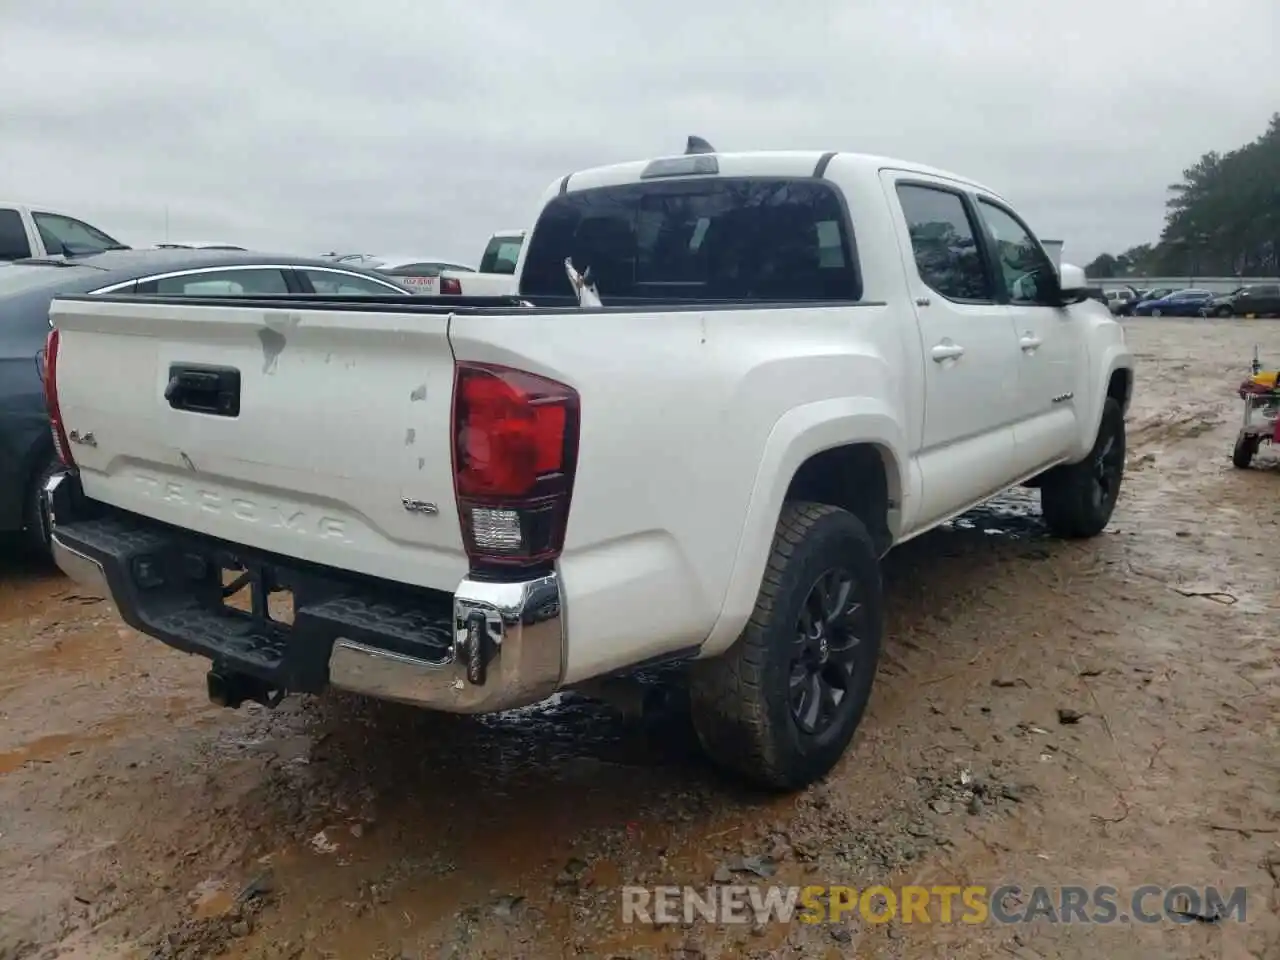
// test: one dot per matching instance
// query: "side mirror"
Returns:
(1072, 285)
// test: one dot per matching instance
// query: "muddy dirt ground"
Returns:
(136, 820)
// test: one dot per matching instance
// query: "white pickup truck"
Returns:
(801, 361)
(496, 276)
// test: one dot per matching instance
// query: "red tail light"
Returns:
(451, 286)
(60, 444)
(515, 451)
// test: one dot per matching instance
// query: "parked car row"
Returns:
(1122, 302)
(1258, 299)
(1255, 299)
(27, 287)
(1178, 303)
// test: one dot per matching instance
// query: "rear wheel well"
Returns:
(857, 478)
(1120, 388)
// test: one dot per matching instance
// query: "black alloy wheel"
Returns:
(824, 661)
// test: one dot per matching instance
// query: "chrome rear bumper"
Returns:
(508, 651)
(494, 647)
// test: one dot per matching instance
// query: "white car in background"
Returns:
(437, 276)
(422, 274)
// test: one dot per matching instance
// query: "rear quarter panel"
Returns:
(688, 417)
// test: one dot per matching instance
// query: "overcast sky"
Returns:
(422, 127)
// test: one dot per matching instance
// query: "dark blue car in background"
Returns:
(1180, 303)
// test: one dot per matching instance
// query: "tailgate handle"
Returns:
(204, 389)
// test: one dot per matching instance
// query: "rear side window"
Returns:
(500, 255)
(342, 284)
(13, 236)
(944, 243)
(721, 239)
(219, 283)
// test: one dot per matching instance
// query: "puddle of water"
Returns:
(211, 898)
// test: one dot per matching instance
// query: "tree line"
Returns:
(1223, 219)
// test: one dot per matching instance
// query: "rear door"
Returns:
(970, 348)
(343, 415)
(1260, 299)
(1269, 297)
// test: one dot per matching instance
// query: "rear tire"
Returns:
(1077, 499)
(780, 706)
(1223, 312)
(1243, 454)
(36, 521)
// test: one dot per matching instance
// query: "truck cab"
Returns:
(33, 231)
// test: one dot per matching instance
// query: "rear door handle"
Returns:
(1029, 342)
(947, 351)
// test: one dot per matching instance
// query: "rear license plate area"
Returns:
(253, 591)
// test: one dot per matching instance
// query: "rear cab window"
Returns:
(688, 240)
(501, 254)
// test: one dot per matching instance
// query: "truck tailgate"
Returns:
(339, 452)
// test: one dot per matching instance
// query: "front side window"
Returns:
(329, 282)
(697, 240)
(13, 236)
(501, 254)
(65, 235)
(944, 243)
(1029, 276)
(219, 283)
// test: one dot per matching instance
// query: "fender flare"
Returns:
(1115, 357)
(797, 435)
